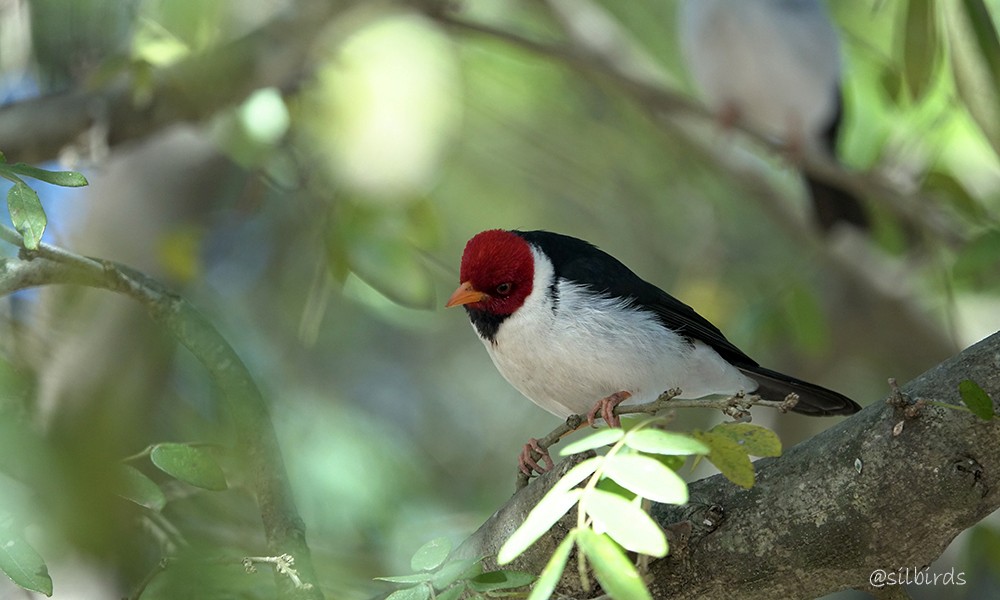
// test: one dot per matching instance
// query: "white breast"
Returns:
(777, 62)
(565, 357)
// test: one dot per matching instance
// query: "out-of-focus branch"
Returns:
(615, 58)
(257, 443)
(193, 89)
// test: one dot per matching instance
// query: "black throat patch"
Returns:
(486, 324)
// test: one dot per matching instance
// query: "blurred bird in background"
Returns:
(774, 66)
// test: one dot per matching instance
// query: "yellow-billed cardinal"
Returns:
(569, 326)
(775, 66)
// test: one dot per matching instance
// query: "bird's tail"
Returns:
(814, 400)
(831, 204)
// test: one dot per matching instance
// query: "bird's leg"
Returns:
(528, 464)
(606, 408)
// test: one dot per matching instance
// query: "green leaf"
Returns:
(142, 490)
(500, 580)
(658, 441)
(577, 474)
(549, 578)
(431, 555)
(614, 571)
(920, 46)
(419, 592)
(625, 522)
(976, 398)
(730, 458)
(61, 178)
(978, 263)
(647, 477)
(465, 568)
(755, 440)
(412, 578)
(22, 564)
(27, 214)
(602, 437)
(549, 509)
(452, 593)
(986, 36)
(190, 465)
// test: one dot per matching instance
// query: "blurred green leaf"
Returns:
(729, 457)
(20, 562)
(978, 263)
(974, 75)
(598, 439)
(419, 592)
(985, 34)
(465, 568)
(140, 489)
(452, 593)
(500, 580)
(664, 442)
(411, 578)
(431, 555)
(920, 46)
(625, 522)
(976, 398)
(954, 192)
(755, 439)
(614, 571)
(549, 509)
(189, 464)
(27, 214)
(61, 178)
(647, 477)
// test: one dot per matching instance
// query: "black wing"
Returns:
(585, 264)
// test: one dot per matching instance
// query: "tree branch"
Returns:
(193, 89)
(615, 58)
(866, 494)
(256, 441)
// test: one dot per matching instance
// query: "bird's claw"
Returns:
(606, 408)
(528, 464)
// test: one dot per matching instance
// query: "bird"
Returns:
(774, 66)
(577, 332)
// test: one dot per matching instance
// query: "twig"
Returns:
(736, 406)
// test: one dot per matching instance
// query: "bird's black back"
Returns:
(585, 264)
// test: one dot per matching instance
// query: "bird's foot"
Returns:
(532, 452)
(606, 408)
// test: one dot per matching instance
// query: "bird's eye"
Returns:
(504, 288)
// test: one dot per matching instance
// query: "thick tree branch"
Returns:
(257, 443)
(865, 494)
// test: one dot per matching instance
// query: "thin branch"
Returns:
(256, 440)
(736, 406)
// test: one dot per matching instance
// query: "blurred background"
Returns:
(306, 173)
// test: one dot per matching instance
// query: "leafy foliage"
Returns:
(436, 576)
(608, 522)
